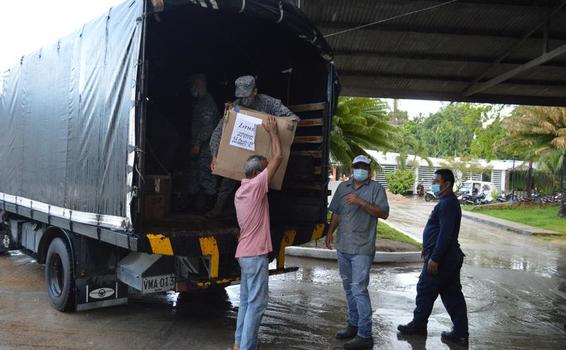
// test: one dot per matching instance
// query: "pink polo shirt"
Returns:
(252, 210)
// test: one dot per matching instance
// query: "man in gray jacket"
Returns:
(356, 207)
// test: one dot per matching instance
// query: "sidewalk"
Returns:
(380, 257)
(508, 225)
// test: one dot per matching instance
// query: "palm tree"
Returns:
(542, 131)
(360, 124)
(551, 164)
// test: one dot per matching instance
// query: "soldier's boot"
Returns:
(216, 211)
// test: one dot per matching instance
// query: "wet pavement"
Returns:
(515, 287)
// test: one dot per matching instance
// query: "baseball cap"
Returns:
(245, 85)
(361, 159)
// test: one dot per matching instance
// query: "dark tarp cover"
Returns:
(283, 12)
(65, 115)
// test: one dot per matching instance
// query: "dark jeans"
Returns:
(446, 284)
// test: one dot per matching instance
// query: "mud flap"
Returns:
(100, 291)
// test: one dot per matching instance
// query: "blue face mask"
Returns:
(361, 175)
(435, 188)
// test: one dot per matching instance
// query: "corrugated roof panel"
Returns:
(426, 54)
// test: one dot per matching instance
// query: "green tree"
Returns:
(360, 124)
(451, 131)
(487, 138)
(542, 131)
(551, 164)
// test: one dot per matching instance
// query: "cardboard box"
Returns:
(157, 196)
(248, 137)
(155, 207)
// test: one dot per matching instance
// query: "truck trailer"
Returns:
(91, 149)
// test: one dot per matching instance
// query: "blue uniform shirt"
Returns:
(440, 236)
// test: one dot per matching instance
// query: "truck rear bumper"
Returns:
(185, 286)
(217, 247)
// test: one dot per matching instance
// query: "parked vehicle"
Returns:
(83, 122)
(478, 192)
(474, 199)
(420, 189)
(503, 197)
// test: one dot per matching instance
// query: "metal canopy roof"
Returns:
(495, 51)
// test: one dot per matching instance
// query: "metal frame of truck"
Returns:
(93, 258)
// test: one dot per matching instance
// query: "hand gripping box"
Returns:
(243, 136)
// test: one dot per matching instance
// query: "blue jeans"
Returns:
(354, 270)
(253, 299)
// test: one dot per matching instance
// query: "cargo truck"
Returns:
(90, 145)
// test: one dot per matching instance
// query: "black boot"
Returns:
(359, 343)
(412, 328)
(347, 333)
(452, 337)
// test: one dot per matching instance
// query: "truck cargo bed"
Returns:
(192, 224)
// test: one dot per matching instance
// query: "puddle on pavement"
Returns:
(515, 287)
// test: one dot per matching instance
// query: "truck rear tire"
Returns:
(59, 275)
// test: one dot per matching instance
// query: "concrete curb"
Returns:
(512, 227)
(380, 257)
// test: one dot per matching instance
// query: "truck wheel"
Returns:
(4, 243)
(59, 275)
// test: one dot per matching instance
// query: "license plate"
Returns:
(156, 284)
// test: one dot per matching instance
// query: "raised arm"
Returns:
(270, 126)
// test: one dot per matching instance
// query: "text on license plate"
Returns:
(156, 284)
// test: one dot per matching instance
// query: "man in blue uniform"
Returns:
(443, 260)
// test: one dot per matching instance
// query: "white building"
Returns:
(425, 173)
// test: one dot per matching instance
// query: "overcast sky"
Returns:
(27, 25)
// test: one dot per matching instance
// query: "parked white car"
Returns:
(476, 188)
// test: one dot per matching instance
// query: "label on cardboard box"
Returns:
(244, 132)
(243, 136)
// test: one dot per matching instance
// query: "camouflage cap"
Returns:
(245, 85)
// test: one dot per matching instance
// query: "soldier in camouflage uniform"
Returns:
(247, 96)
(202, 184)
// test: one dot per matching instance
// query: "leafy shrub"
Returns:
(400, 181)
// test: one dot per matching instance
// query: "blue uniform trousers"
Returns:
(446, 284)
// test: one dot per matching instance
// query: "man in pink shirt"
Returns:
(252, 210)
